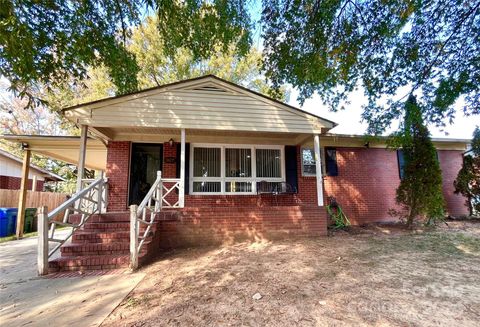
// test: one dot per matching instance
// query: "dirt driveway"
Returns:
(365, 277)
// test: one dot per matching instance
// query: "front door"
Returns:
(146, 160)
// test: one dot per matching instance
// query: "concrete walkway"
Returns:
(29, 300)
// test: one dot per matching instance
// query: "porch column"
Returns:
(318, 167)
(81, 156)
(34, 183)
(22, 199)
(181, 193)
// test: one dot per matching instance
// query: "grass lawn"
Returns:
(380, 276)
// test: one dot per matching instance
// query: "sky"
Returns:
(348, 120)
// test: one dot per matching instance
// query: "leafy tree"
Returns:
(15, 119)
(420, 190)
(157, 68)
(392, 49)
(158, 65)
(50, 42)
(468, 178)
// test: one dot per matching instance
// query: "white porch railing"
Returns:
(86, 202)
(161, 195)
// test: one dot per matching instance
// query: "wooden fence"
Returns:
(9, 199)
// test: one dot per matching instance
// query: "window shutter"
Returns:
(331, 162)
(187, 165)
(291, 166)
(401, 163)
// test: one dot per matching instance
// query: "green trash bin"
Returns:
(30, 215)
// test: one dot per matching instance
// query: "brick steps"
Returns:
(102, 244)
(95, 248)
(89, 262)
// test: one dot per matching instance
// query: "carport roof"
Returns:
(64, 148)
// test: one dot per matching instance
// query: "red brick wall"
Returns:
(367, 180)
(365, 186)
(450, 163)
(118, 162)
(13, 183)
(169, 169)
(307, 185)
(263, 200)
(214, 225)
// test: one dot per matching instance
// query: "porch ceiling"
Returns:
(64, 148)
(159, 135)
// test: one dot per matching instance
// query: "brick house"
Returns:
(11, 174)
(235, 164)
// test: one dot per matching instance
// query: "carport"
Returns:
(83, 151)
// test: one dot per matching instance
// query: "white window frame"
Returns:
(322, 158)
(223, 179)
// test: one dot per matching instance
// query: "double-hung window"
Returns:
(238, 170)
(269, 166)
(234, 169)
(328, 159)
(207, 170)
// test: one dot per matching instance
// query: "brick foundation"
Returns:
(194, 226)
(13, 183)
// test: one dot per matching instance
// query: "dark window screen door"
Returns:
(146, 160)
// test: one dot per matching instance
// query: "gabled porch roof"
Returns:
(204, 103)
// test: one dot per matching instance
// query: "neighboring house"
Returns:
(246, 165)
(11, 174)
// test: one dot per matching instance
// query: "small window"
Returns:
(238, 187)
(401, 163)
(329, 162)
(308, 162)
(207, 187)
(331, 167)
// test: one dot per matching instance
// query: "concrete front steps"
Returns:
(103, 243)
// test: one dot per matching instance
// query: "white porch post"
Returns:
(34, 183)
(133, 237)
(42, 245)
(181, 193)
(318, 167)
(81, 156)
(22, 199)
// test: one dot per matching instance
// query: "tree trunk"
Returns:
(411, 217)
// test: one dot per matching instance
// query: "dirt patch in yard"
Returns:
(378, 275)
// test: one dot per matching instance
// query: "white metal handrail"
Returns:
(152, 204)
(86, 202)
